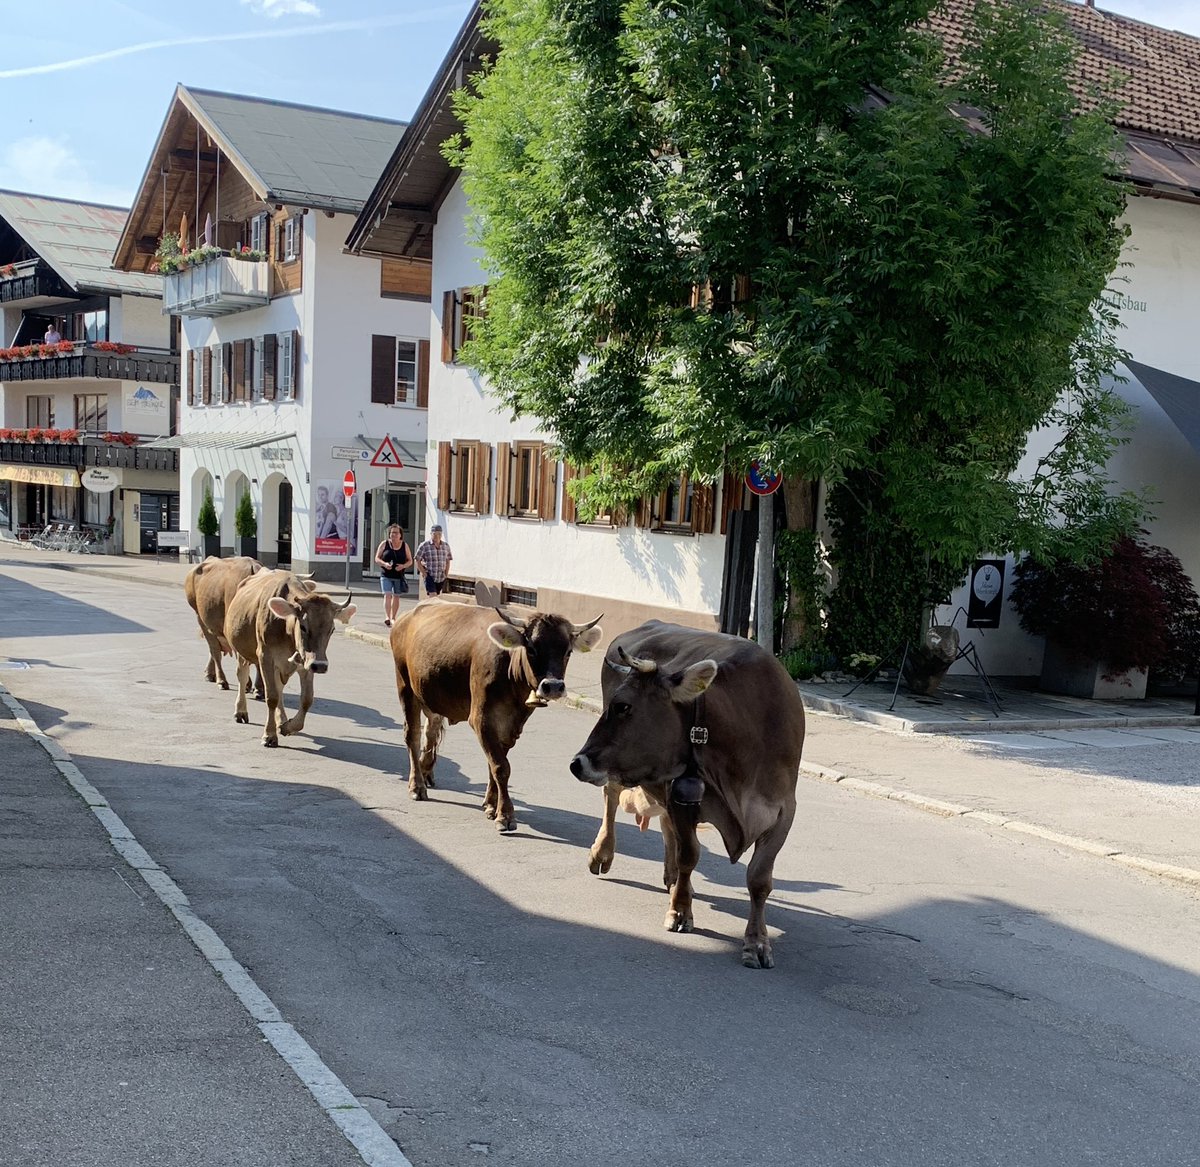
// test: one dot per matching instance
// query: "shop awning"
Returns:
(1179, 398)
(216, 440)
(41, 475)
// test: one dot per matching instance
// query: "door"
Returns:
(384, 507)
(283, 537)
(158, 512)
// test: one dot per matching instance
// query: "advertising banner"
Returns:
(333, 521)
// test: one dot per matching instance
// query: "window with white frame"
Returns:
(258, 233)
(257, 388)
(285, 379)
(291, 239)
(406, 372)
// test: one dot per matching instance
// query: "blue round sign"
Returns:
(760, 481)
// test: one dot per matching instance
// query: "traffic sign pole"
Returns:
(349, 485)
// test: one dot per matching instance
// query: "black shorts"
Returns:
(434, 587)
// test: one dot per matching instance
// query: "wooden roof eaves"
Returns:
(468, 42)
(252, 177)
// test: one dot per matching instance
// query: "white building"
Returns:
(289, 347)
(507, 517)
(86, 404)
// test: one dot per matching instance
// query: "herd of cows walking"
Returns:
(697, 727)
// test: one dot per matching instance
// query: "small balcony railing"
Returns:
(102, 361)
(89, 451)
(31, 279)
(217, 287)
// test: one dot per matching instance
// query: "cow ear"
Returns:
(505, 635)
(693, 680)
(280, 607)
(588, 639)
(344, 614)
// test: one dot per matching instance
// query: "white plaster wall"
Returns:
(138, 320)
(1159, 290)
(652, 568)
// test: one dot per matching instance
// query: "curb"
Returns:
(897, 724)
(1185, 875)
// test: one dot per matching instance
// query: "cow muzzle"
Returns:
(551, 689)
(319, 666)
(582, 768)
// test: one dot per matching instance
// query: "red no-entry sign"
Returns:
(349, 486)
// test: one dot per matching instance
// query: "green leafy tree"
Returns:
(795, 232)
(206, 519)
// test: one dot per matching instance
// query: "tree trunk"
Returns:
(800, 510)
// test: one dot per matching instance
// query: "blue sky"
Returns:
(84, 128)
(85, 84)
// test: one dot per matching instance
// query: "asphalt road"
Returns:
(942, 995)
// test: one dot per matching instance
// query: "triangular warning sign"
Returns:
(386, 456)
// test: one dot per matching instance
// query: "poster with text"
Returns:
(333, 521)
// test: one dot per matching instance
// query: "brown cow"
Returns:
(209, 587)
(283, 625)
(711, 728)
(458, 663)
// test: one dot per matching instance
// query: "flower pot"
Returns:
(246, 545)
(210, 545)
(1094, 680)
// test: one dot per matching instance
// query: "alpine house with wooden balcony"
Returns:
(290, 347)
(88, 378)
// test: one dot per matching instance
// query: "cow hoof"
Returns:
(489, 811)
(241, 718)
(677, 921)
(758, 956)
(429, 780)
(599, 864)
(418, 795)
(506, 826)
(260, 696)
(271, 742)
(225, 685)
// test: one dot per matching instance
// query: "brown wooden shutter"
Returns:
(206, 375)
(449, 300)
(483, 480)
(383, 370)
(643, 514)
(548, 486)
(226, 372)
(239, 370)
(733, 488)
(503, 478)
(295, 365)
(191, 377)
(423, 374)
(569, 510)
(702, 508)
(270, 357)
(445, 469)
(466, 310)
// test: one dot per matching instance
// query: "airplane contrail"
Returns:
(265, 34)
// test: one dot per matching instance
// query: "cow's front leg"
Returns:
(274, 687)
(687, 853)
(435, 726)
(296, 724)
(600, 857)
(670, 853)
(243, 678)
(756, 945)
(497, 804)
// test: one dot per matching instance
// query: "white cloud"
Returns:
(49, 166)
(275, 8)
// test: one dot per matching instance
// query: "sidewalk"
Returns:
(1088, 775)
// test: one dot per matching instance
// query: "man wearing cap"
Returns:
(433, 561)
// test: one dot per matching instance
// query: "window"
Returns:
(220, 365)
(243, 363)
(288, 366)
(460, 308)
(526, 480)
(87, 326)
(39, 412)
(258, 233)
(257, 388)
(399, 371)
(291, 239)
(464, 476)
(570, 511)
(527, 597)
(684, 508)
(91, 412)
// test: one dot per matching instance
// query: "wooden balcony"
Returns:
(32, 284)
(91, 451)
(217, 287)
(147, 365)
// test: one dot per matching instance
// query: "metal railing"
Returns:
(216, 287)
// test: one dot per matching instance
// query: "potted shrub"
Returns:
(208, 526)
(1108, 623)
(245, 527)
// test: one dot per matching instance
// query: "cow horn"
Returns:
(576, 629)
(519, 625)
(343, 607)
(636, 663)
(305, 577)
